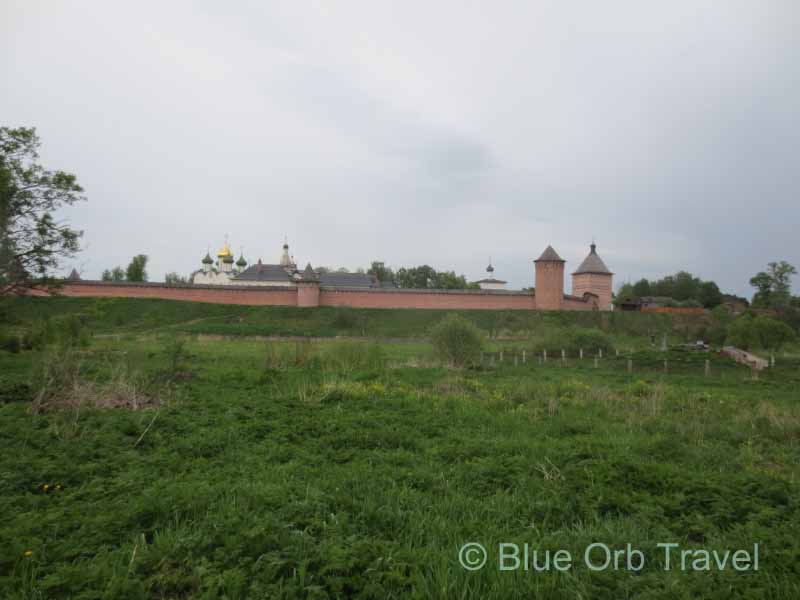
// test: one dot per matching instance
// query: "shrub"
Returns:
(590, 340)
(9, 343)
(456, 341)
(354, 356)
(345, 318)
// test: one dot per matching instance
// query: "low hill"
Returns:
(134, 315)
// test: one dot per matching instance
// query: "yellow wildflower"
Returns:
(28, 552)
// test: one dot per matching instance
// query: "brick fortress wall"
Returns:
(288, 296)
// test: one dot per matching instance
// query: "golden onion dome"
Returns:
(225, 252)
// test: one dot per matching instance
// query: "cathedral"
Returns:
(284, 273)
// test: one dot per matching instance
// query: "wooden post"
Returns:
(524, 358)
(544, 355)
(501, 356)
(595, 362)
(617, 351)
(600, 352)
(666, 368)
(630, 366)
(708, 368)
(563, 358)
(581, 353)
(772, 360)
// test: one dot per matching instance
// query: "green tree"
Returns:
(709, 294)
(115, 274)
(641, 288)
(773, 286)
(381, 271)
(32, 240)
(742, 333)
(772, 334)
(175, 279)
(137, 269)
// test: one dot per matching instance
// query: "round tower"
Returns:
(594, 277)
(549, 286)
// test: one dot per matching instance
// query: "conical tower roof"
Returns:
(241, 262)
(593, 264)
(309, 274)
(549, 255)
(207, 260)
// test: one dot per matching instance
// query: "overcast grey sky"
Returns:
(420, 132)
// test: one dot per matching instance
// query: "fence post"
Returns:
(708, 367)
(563, 358)
(617, 351)
(581, 353)
(544, 355)
(772, 360)
(595, 362)
(600, 352)
(501, 356)
(666, 367)
(524, 358)
(630, 366)
(516, 358)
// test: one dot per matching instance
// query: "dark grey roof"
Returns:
(549, 255)
(348, 280)
(208, 260)
(593, 264)
(241, 262)
(491, 280)
(262, 272)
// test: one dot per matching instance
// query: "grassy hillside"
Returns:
(316, 470)
(120, 315)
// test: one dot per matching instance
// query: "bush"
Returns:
(9, 343)
(345, 318)
(354, 356)
(591, 340)
(457, 341)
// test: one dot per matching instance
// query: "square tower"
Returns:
(549, 291)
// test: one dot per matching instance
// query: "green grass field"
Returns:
(338, 469)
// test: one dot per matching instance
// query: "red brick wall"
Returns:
(421, 299)
(575, 304)
(218, 295)
(274, 296)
